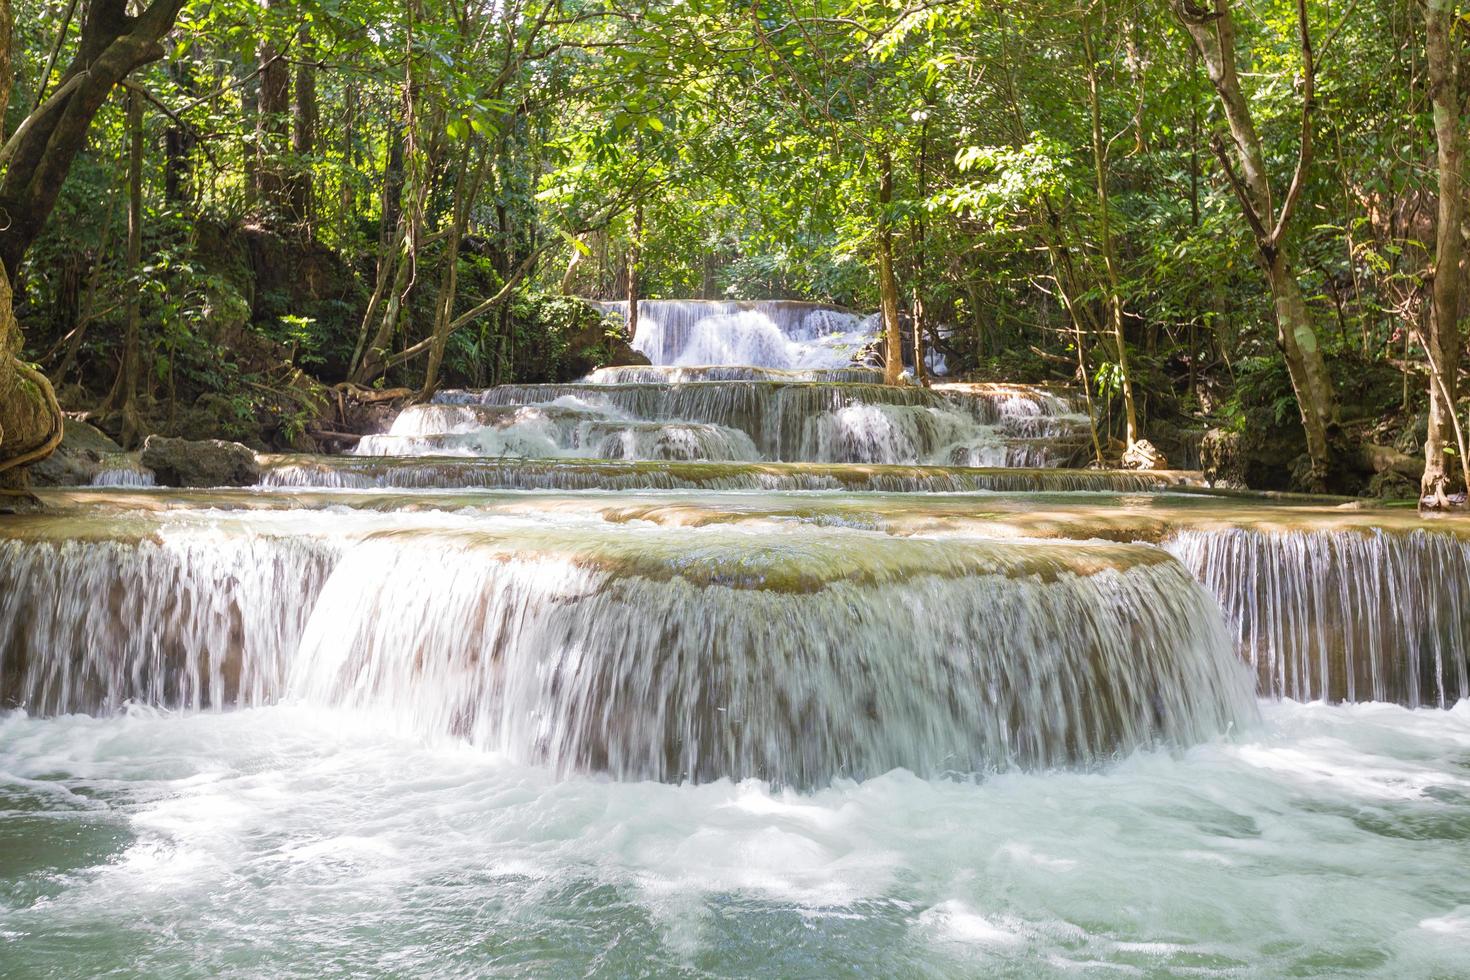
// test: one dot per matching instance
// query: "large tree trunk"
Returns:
(112, 45)
(1309, 378)
(887, 284)
(272, 120)
(30, 419)
(43, 148)
(304, 119)
(1213, 31)
(1442, 343)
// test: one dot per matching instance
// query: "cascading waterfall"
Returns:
(745, 381)
(1349, 615)
(657, 655)
(807, 421)
(669, 661)
(667, 374)
(778, 334)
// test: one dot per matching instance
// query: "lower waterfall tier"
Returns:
(1355, 615)
(650, 654)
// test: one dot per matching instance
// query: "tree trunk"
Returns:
(304, 119)
(30, 419)
(887, 284)
(1442, 343)
(1213, 32)
(347, 196)
(466, 189)
(920, 248)
(271, 125)
(1105, 228)
(1309, 378)
(178, 141)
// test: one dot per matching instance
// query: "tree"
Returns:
(40, 152)
(1213, 31)
(1442, 343)
(37, 157)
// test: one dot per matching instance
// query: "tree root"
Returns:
(58, 422)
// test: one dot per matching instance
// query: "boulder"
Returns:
(594, 343)
(201, 463)
(77, 460)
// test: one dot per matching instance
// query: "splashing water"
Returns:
(298, 842)
(771, 334)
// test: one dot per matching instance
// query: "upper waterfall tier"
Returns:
(778, 334)
(646, 653)
(774, 420)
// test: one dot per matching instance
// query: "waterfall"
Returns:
(773, 420)
(122, 470)
(656, 654)
(769, 382)
(656, 374)
(1342, 615)
(779, 334)
(204, 621)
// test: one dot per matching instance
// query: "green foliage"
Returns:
(752, 140)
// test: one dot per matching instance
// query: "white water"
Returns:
(724, 420)
(643, 652)
(768, 381)
(780, 335)
(298, 842)
(1350, 616)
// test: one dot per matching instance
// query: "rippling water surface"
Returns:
(286, 841)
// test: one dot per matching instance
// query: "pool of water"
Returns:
(296, 841)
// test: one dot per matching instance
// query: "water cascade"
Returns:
(772, 381)
(784, 335)
(1342, 615)
(357, 473)
(804, 421)
(693, 668)
(647, 655)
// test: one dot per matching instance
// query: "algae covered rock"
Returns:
(201, 463)
(78, 459)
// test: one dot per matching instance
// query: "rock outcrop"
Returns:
(202, 463)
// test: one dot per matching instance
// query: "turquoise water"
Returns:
(289, 841)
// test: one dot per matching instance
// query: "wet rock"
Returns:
(201, 463)
(77, 460)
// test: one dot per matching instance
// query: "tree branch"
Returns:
(1304, 155)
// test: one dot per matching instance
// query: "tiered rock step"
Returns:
(773, 418)
(540, 474)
